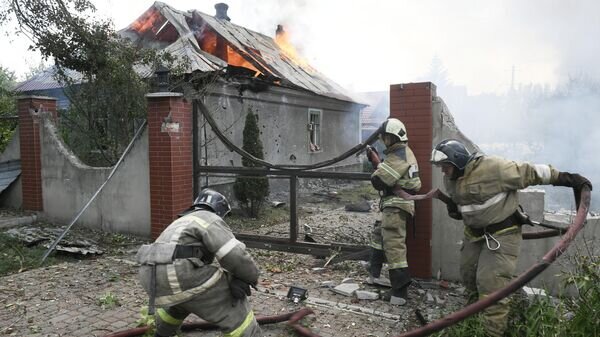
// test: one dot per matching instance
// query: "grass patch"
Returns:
(16, 257)
(545, 316)
(108, 301)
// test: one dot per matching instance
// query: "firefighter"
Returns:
(400, 169)
(484, 192)
(178, 273)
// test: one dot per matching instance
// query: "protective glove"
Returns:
(573, 180)
(371, 153)
(239, 290)
(453, 211)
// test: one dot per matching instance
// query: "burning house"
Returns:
(303, 116)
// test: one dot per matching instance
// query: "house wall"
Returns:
(67, 185)
(282, 120)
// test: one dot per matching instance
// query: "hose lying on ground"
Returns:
(292, 317)
(446, 321)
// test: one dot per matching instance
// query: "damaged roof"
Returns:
(46, 80)
(210, 44)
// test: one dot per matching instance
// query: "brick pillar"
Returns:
(411, 103)
(170, 157)
(30, 110)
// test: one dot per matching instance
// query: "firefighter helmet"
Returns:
(214, 201)
(451, 151)
(395, 127)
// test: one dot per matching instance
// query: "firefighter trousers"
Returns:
(215, 305)
(484, 271)
(393, 233)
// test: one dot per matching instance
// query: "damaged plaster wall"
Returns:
(123, 206)
(282, 121)
(12, 196)
(447, 233)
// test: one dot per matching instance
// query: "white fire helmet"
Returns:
(395, 127)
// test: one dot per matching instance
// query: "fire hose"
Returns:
(583, 203)
(514, 285)
(293, 319)
(260, 162)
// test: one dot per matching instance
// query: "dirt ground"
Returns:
(100, 294)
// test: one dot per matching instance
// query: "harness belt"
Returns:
(188, 251)
(493, 228)
(180, 252)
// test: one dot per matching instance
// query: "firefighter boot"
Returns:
(400, 281)
(375, 265)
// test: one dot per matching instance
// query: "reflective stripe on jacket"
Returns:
(182, 279)
(400, 168)
(487, 191)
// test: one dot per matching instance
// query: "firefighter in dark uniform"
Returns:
(484, 190)
(178, 272)
(400, 168)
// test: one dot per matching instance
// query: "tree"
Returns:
(97, 69)
(251, 191)
(7, 107)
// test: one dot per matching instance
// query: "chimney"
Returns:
(222, 11)
(279, 30)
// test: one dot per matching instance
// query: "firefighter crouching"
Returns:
(178, 273)
(400, 169)
(484, 192)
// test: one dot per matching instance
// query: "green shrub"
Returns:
(251, 191)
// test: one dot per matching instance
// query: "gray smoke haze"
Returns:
(547, 112)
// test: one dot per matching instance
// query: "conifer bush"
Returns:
(251, 192)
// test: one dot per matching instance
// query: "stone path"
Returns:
(66, 300)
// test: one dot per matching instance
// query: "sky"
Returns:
(368, 45)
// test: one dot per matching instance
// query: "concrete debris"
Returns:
(276, 204)
(318, 270)
(461, 290)
(533, 292)
(24, 220)
(429, 298)
(366, 295)
(45, 236)
(346, 289)
(328, 284)
(429, 285)
(348, 280)
(380, 281)
(439, 300)
(361, 206)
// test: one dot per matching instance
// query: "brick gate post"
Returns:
(170, 157)
(412, 104)
(31, 110)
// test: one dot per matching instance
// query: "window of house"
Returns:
(314, 130)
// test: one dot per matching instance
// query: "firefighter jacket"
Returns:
(400, 168)
(487, 192)
(179, 279)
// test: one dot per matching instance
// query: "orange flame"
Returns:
(147, 21)
(208, 40)
(283, 42)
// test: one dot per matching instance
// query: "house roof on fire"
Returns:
(211, 43)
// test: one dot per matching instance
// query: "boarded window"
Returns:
(314, 130)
